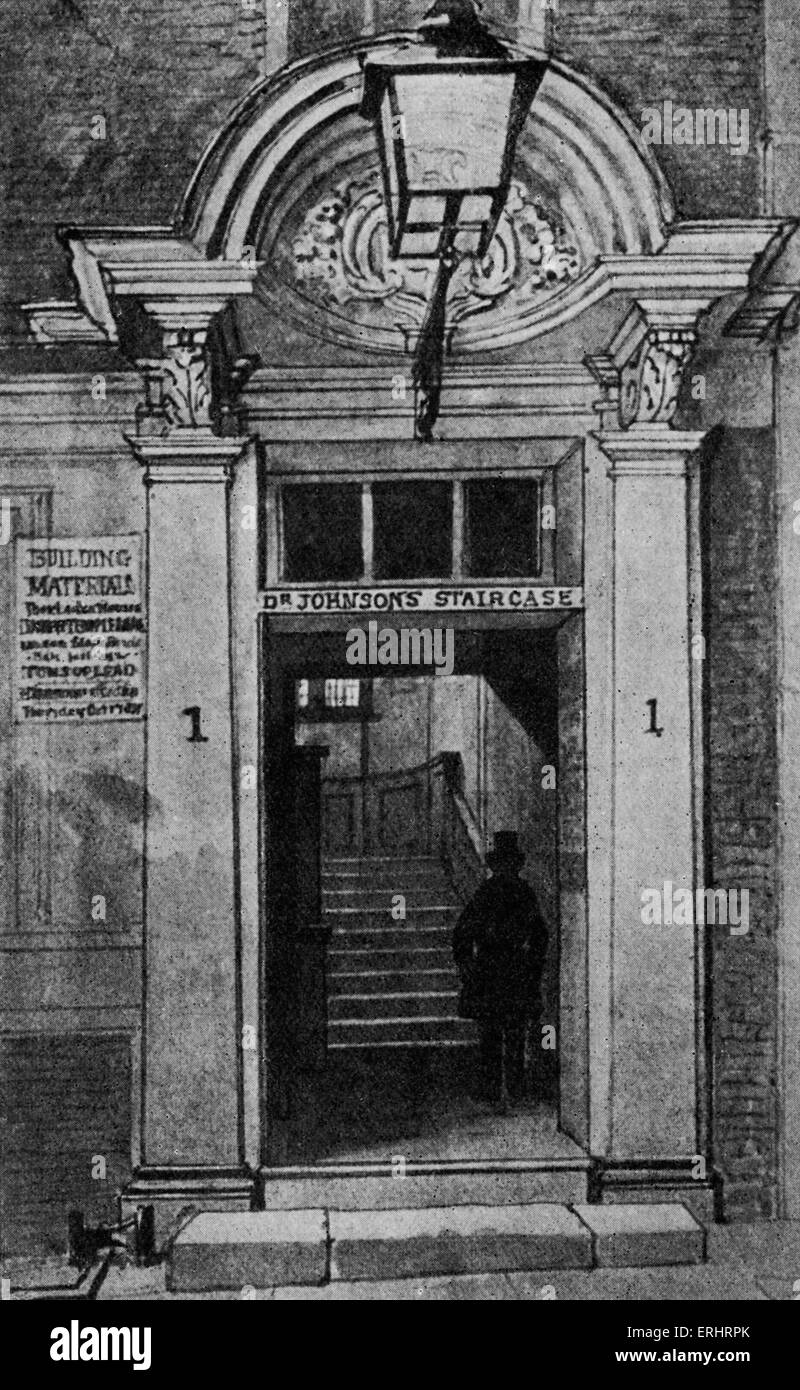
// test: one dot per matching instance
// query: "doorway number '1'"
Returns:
(652, 705)
(196, 736)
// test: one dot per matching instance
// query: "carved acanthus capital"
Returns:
(177, 384)
(641, 371)
(650, 381)
(124, 273)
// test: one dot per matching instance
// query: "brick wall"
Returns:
(163, 74)
(741, 810)
(65, 1125)
(698, 53)
(318, 24)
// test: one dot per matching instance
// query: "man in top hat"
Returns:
(499, 945)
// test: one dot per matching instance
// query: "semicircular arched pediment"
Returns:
(293, 181)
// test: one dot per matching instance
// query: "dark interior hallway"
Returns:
(405, 822)
(418, 1104)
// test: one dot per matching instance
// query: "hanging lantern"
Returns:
(448, 110)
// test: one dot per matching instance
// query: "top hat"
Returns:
(506, 850)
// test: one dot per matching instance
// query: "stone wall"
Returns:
(106, 107)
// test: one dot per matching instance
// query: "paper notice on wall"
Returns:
(80, 630)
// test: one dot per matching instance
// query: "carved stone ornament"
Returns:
(341, 255)
(177, 384)
(650, 382)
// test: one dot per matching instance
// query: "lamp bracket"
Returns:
(429, 354)
(456, 29)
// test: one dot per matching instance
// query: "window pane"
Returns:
(302, 694)
(322, 532)
(502, 528)
(413, 530)
(341, 694)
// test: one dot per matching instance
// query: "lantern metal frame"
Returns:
(451, 40)
(527, 73)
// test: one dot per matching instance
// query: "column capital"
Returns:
(181, 293)
(653, 451)
(648, 356)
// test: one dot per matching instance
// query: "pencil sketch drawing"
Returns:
(400, 649)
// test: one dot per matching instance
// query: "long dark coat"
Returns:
(499, 945)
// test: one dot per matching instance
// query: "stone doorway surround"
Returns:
(615, 345)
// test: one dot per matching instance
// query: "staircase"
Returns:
(391, 983)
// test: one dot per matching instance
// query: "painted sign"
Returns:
(444, 598)
(80, 630)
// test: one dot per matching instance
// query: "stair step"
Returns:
(387, 873)
(347, 959)
(335, 863)
(382, 982)
(391, 938)
(370, 898)
(393, 1006)
(432, 885)
(416, 1030)
(311, 1245)
(433, 914)
(465, 1240)
(377, 993)
(406, 1044)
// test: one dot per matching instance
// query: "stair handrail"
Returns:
(395, 774)
(453, 832)
(460, 838)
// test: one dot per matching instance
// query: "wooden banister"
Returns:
(411, 810)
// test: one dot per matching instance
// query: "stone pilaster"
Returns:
(192, 1028)
(653, 970)
(644, 752)
(194, 1036)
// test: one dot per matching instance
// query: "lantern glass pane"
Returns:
(455, 127)
(475, 209)
(430, 210)
(421, 244)
(467, 240)
(388, 144)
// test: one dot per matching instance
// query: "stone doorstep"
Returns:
(646, 1233)
(230, 1250)
(457, 1240)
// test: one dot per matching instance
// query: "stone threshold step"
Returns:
(563, 1181)
(229, 1250)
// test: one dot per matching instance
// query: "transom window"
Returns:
(411, 530)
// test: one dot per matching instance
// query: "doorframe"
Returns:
(273, 627)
